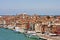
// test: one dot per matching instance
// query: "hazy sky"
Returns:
(43, 7)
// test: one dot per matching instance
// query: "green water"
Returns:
(6, 34)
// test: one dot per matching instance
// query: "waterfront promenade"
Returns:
(48, 37)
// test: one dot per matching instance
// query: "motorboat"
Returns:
(31, 33)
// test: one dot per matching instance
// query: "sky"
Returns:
(40, 7)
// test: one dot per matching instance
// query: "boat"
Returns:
(30, 33)
(10, 27)
(18, 29)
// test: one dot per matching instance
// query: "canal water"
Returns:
(6, 34)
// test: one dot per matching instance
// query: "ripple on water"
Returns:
(6, 34)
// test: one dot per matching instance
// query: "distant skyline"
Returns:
(41, 7)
